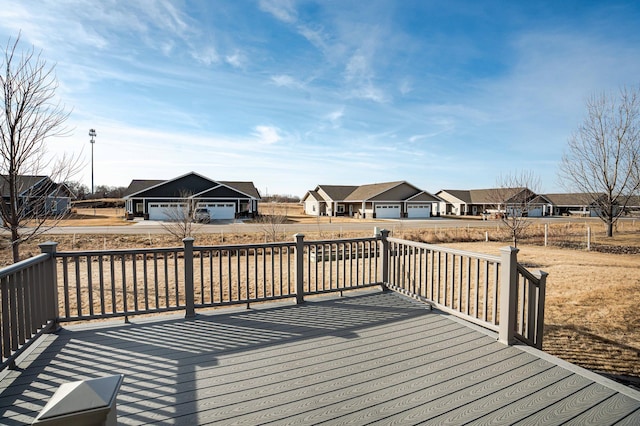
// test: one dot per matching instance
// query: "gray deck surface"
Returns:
(366, 358)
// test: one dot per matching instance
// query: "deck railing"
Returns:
(492, 291)
(28, 301)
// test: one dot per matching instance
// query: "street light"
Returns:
(92, 133)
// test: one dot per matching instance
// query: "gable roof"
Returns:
(336, 192)
(366, 192)
(24, 183)
(483, 196)
(423, 196)
(247, 188)
(312, 194)
(384, 191)
(192, 181)
(569, 199)
(138, 185)
(460, 194)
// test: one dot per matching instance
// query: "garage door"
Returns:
(167, 211)
(535, 212)
(388, 211)
(220, 210)
(419, 210)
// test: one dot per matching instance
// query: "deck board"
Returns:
(368, 357)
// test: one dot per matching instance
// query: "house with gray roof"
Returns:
(391, 200)
(38, 195)
(161, 200)
(474, 202)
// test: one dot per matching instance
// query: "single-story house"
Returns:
(161, 200)
(38, 195)
(474, 202)
(583, 205)
(563, 204)
(392, 200)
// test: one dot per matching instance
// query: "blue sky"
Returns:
(291, 94)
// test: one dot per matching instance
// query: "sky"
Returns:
(293, 94)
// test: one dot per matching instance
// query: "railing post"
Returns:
(508, 294)
(384, 234)
(299, 268)
(542, 289)
(189, 299)
(50, 282)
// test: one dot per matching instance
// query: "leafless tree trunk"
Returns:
(30, 115)
(272, 221)
(602, 159)
(513, 195)
(179, 221)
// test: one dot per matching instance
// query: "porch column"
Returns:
(385, 259)
(50, 290)
(508, 294)
(189, 297)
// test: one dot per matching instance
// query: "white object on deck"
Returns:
(85, 403)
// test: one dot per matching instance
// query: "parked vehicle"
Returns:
(201, 215)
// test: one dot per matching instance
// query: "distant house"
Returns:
(582, 204)
(474, 202)
(38, 195)
(564, 204)
(161, 199)
(379, 200)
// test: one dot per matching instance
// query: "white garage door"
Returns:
(388, 211)
(535, 212)
(419, 210)
(167, 211)
(220, 210)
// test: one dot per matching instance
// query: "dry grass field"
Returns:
(592, 316)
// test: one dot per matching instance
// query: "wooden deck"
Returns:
(368, 357)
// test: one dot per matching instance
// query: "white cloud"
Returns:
(336, 115)
(283, 10)
(284, 80)
(359, 76)
(237, 60)
(206, 56)
(267, 135)
(405, 87)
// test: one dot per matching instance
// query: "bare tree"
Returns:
(78, 189)
(272, 220)
(602, 159)
(30, 116)
(513, 195)
(179, 219)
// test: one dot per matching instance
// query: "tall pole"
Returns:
(92, 133)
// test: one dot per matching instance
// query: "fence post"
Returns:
(50, 282)
(190, 311)
(299, 268)
(508, 294)
(542, 291)
(385, 259)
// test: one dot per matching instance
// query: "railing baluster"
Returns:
(78, 287)
(100, 283)
(89, 285)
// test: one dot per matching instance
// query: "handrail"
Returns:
(449, 250)
(23, 264)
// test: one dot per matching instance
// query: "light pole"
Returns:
(92, 133)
